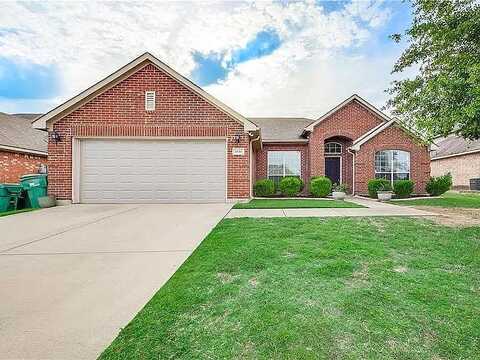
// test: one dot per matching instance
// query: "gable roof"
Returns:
(70, 105)
(454, 145)
(354, 97)
(17, 135)
(282, 129)
(357, 144)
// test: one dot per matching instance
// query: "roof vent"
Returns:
(150, 100)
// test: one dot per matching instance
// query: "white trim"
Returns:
(363, 102)
(302, 141)
(392, 171)
(77, 150)
(150, 102)
(226, 169)
(22, 150)
(111, 80)
(333, 142)
(341, 167)
(155, 137)
(453, 155)
(284, 151)
(353, 170)
(76, 167)
(250, 161)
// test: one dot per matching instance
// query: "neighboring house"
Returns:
(22, 149)
(148, 134)
(459, 157)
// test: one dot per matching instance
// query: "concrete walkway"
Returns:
(372, 208)
(71, 277)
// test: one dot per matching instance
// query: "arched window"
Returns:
(392, 165)
(333, 148)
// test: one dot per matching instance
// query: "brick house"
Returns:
(23, 150)
(148, 134)
(458, 156)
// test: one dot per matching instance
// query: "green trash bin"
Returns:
(35, 185)
(4, 198)
(15, 191)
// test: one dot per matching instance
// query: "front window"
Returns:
(283, 163)
(333, 148)
(392, 165)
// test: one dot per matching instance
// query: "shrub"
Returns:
(264, 187)
(290, 186)
(320, 186)
(403, 188)
(375, 185)
(438, 185)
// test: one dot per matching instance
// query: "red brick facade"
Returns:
(349, 122)
(180, 112)
(14, 165)
(392, 138)
(345, 126)
(261, 158)
(120, 111)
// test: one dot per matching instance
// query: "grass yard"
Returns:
(12, 212)
(295, 204)
(311, 288)
(449, 199)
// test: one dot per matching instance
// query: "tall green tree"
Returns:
(444, 44)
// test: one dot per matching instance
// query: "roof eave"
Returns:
(285, 141)
(67, 107)
(23, 150)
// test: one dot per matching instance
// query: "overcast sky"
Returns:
(260, 58)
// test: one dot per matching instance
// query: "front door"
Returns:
(332, 169)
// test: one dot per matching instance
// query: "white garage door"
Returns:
(152, 171)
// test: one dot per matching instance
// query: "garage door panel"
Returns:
(142, 171)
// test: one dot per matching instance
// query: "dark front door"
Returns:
(332, 169)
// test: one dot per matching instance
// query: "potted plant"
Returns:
(384, 192)
(339, 191)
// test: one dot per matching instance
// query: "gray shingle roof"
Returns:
(29, 116)
(18, 132)
(282, 129)
(453, 144)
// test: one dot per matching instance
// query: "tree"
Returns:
(444, 43)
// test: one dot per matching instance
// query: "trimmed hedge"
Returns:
(403, 188)
(375, 185)
(290, 186)
(320, 186)
(438, 185)
(264, 187)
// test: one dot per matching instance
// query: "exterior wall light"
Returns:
(56, 137)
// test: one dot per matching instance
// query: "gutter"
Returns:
(453, 155)
(22, 150)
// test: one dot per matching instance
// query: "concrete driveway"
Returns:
(71, 277)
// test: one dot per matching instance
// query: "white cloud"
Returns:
(88, 40)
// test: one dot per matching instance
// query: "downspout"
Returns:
(251, 162)
(353, 170)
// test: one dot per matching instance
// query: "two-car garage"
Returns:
(147, 134)
(149, 170)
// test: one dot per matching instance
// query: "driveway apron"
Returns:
(73, 276)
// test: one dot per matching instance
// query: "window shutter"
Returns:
(149, 100)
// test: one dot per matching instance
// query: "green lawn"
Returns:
(12, 212)
(449, 199)
(311, 288)
(295, 203)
